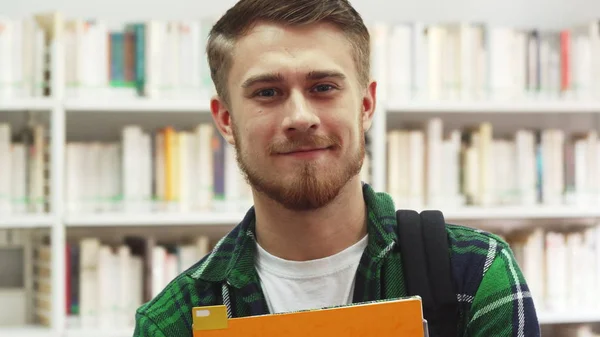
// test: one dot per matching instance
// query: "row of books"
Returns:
(106, 281)
(163, 170)
(23, 58)
(472, 61)
(13, 293)
(155, 59)
(437, 61)
(24, 175)
(561, 266)
(156, 171)
(434, 167)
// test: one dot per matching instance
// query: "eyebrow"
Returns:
(277, 77)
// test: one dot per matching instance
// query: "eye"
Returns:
(323, 88)
(266, 93)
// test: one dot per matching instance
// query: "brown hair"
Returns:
(239, 19)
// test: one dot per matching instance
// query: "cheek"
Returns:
(258, 134)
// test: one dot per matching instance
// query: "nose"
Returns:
(300, 115)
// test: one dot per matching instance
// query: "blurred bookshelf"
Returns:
(499, 125)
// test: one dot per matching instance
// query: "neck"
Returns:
(315, 234)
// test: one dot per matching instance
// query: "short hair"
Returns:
(241, 18)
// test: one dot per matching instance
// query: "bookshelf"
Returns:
(142, 105)
(570, 317)
(544, 107)
(99, 117)
(27, 221)
(31, 331)
(29, 104)
(154, 219)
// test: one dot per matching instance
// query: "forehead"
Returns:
(272, 48)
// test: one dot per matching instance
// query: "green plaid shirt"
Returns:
(494, 299)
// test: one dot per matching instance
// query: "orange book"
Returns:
(401, 317)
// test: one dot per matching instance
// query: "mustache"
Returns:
(314, 141)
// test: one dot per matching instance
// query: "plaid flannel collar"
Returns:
(232, 259)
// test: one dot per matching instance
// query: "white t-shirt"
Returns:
(300, 285)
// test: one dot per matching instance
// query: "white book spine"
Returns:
(18, 178)
(232, 187)
(6, 175)
(417, 169)
(136, 283)
(184, 164)
(435, 42)
(104, 278)
(205, 165)
(89, 296)
(556, 271)
(534, 266)
(39, 65)
(27, 58)
(17, 59)
(158, 269)
(592, 166)
(419, 63)
(380, 55)
(6, 63)
(124, 293)
(146, 170)
(159, 168)
(404, 185)
(434, 161)
(399, 62)
(485, 165)
(394, 161)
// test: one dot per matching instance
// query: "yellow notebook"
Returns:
(401, 317)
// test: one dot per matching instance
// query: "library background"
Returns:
(113, 178)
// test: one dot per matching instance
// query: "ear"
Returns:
(222, 117)
(369, 102)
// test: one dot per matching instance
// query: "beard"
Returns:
(309, 187)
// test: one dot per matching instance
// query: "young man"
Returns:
(295, 99)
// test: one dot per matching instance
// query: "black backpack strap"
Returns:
(425, 255)
(412, 250)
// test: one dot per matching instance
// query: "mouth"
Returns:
(307, 152)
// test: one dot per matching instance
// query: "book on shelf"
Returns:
(450, 61)
(16, 278)
(152, 59)
(24, 169)
(431, 167)
(107, 281)
(163, 58)
(580, 330)
(26, 55)
(561, 266)
(163, 170)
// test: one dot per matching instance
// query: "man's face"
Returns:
(297, 115)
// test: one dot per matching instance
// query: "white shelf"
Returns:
(27, 221)
(38, 104)
(154, 219)
(27, 331)
(99, 332)
(569, 317)
(138, 105)
(233, 218)
(521, 212)
(494, 107)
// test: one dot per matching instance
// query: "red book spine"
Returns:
(565, 48)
